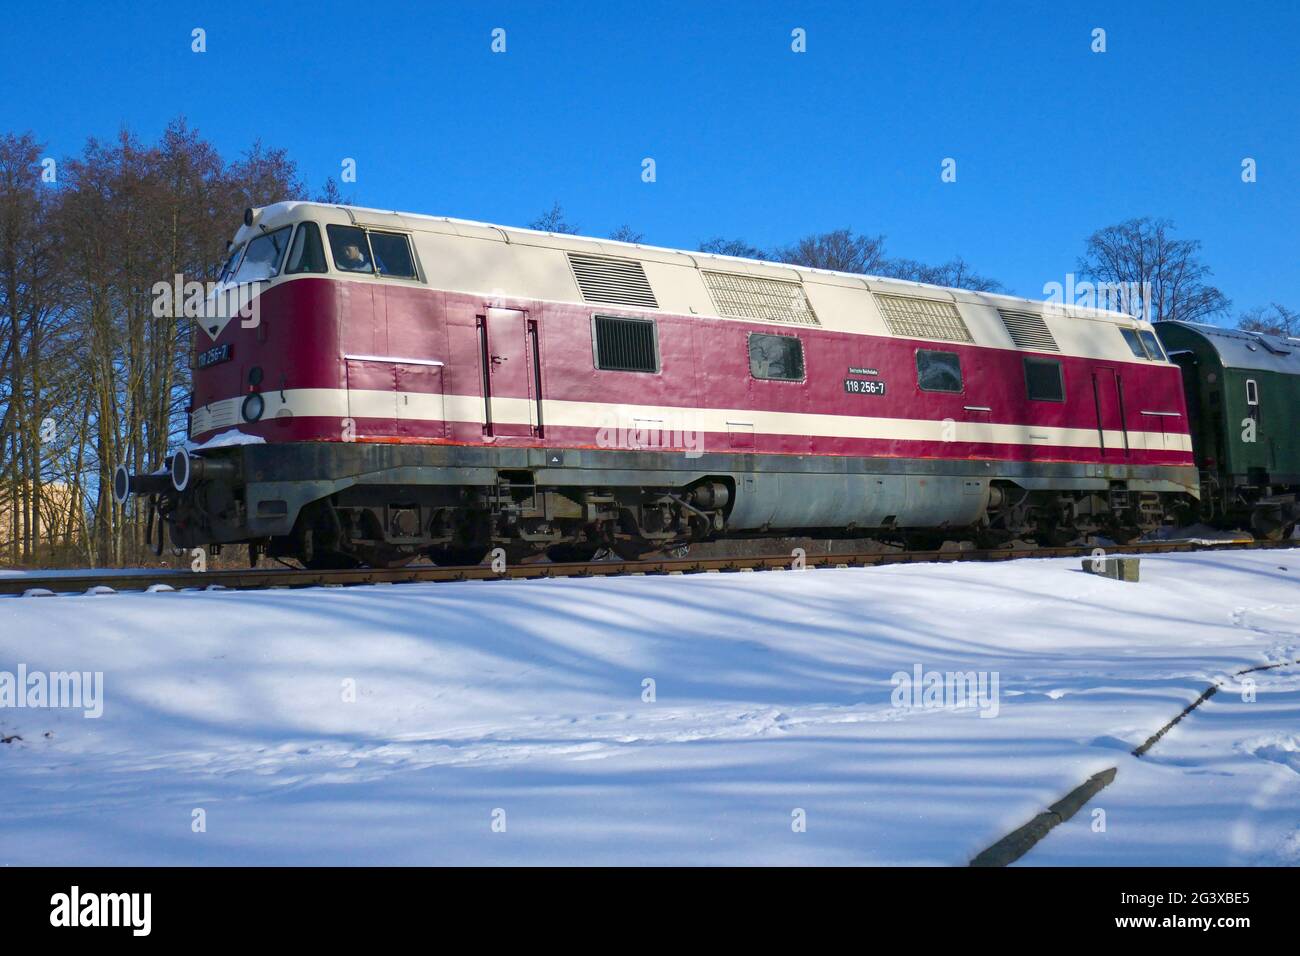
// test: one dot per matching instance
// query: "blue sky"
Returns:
(750, 139)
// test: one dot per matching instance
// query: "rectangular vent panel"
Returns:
(755, 297)
(923, 318)
(612, 281)
(625, 345)
(1028, 330)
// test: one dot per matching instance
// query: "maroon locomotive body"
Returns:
(404, 385)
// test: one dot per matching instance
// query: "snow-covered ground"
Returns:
(512, 721)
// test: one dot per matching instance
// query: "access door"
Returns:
(372, 399)
(1108, 398)
(420, 412)
(511, 402)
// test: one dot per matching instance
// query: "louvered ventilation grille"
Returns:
(1028, 330)
(923, 318)
(613, 281)
(754, 297)
(625, 345)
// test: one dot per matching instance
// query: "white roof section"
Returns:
(478, 257)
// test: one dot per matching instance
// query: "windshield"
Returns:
(1153, 347)
(1134, 343)
(262, 261)
(228, 269)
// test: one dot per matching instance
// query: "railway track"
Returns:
(265, 578)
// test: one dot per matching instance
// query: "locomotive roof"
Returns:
(467, 227)
(1239, 348)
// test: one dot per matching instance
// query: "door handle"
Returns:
(498, 359)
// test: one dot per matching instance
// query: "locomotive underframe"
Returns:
(332, 504)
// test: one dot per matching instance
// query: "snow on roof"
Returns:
(1241, 348)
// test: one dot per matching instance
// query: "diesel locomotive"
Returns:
(410, 385)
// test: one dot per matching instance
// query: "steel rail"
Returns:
(267, 578)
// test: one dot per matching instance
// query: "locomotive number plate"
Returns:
(214, 355)
(857, 386)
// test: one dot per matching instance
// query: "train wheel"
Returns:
(457, 557)
(329, 561)
(565, 553)
(381, 557)
(631, 550)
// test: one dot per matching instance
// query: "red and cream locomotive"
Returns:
(411, 385)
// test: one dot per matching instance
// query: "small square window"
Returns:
(350, 248)
(938, 371)
(776, 358)
(1043, 380)
(392, 255)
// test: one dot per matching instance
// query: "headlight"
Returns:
(253, 407)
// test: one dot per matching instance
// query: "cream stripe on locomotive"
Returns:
(423, 406)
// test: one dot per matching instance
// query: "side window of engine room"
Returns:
(938, 371)
(776, 357)
(1043, 380)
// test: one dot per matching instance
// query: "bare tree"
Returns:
(1142, 253)
(21, 209)
(732, 247)
(262, 176)
(89, 375)
(331, 193)
(1274, 319)
(839, 250)
(955, 274)
(626, 233)
(553, 221)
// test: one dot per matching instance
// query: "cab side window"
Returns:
(306, 253)
(392, 255)
(351, 249)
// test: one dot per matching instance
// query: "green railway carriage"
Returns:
(1243, 401)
